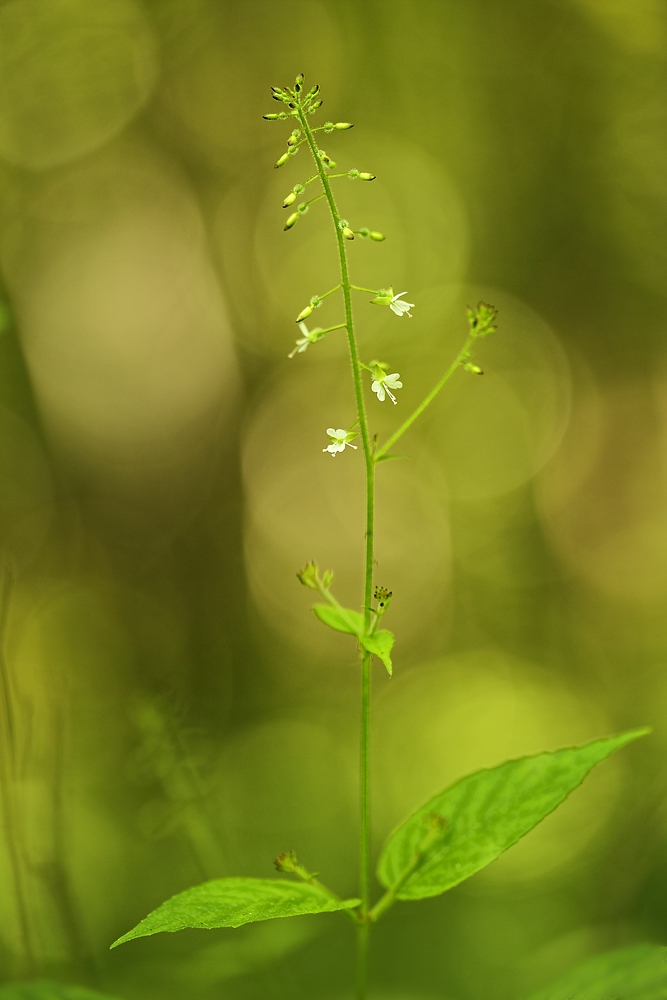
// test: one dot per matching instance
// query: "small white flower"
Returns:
(383, 384)
(340, 440)
(309, 337)
(399, 307)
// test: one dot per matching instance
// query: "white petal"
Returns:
(304, 329)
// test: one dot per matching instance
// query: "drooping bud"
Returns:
(308, 575)
(304, 314)
(341, 126)
(292, 220)
(378, 237)
(282, 159)
(366, 177)
(290, 199)
(347, 233)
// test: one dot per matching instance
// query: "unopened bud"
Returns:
(327, 578)
(290, 199)
(298, 83)
(313, 92)
(475, 369)
(273, 118)
(341, 126)
(366, 177)
(304, 314)
(278, 97)
(282, 160)
(315, 106)
(347, 233)
(308, 575)
(378, 237)
(364, 232)
(286, 862)
(292, 221)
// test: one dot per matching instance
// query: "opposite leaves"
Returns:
(231, 902)
(379, 643)
(472, 822)
(636, 973)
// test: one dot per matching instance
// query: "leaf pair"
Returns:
(455, 834)
(379, 643)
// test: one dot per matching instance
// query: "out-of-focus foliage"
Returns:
(170, 710)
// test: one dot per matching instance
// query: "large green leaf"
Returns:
(340, 619)
(636, 973)
(231, 902)
(42, 989)
(473, 821)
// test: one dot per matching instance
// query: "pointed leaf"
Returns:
(636, 973)
(484, 813)
(42, 989)
(380, 644)
(230, 902)
(340, 619)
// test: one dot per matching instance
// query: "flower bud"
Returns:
(290, 199)
(364, 232)
(304, 314)
(341, 126)
(286, 862)
(308, 575)
(292, 221)
(313, 92)
(298, 83)
(315, 106)
(475, 369)
(327, 578)
(378, 237)
(366, 177)
(273, 118)
(347, 233)
(282, 160)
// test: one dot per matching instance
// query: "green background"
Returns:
(171, 711)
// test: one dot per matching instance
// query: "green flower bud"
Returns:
(298, 83)
(290, 199)
(383, 298)
(347, 233)
(274, 118)
(304, 314)
(327, 578)
(364, 232)
(286, 862)
(292, 221)
(282, 160)
(314, 107)
(366, 177)
(378, 237)
(308, 575)
(313, 92)
(475, 369)
(279, 97)
(341, 126)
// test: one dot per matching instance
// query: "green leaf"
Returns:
(231, 902)
(380, 644)
(484, 814)
(340, 619)
(42, 989)
(636, 973)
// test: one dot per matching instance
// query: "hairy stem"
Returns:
(459, 359)
(369, 461)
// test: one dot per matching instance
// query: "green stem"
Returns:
(363, 934)
(364, 842)
(358, 288)
(460, 358)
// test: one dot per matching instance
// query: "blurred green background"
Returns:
(170, 711)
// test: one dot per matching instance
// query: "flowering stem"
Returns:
(364, 842)
(460, 358)
(357, 288)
